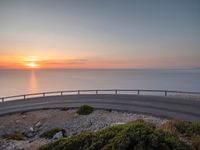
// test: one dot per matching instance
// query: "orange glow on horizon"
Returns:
(32, 65)
(48, 64)
(72, 62)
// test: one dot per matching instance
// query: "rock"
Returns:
(17, 121)
(38, 124)
(24, 116)
(117, 123)
(30, 134)
(31, 129)
(58, 135)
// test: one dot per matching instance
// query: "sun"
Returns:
(32, 65)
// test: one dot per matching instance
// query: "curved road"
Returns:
(187, 109)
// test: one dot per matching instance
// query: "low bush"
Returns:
(196, 142)
(179, 125)
(193, 129)
(185, 128)
(15, 136)
(49, 134)
(85, 110)
(137, 135)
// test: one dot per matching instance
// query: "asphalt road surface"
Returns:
(170, 107)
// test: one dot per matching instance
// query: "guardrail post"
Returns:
(24, 96)
(78, 92)
(138, 92)
(116, 92)
(61, 93)
(2, 99)
(96, 92)
(165, 93)
(43, 94)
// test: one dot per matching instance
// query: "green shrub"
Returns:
(180, 125)
(80, 141)
(85, 110)
(196, 142)
(170, 126)
(193, 129)
(15, 136)
(175, 126)
(136, 135)
(49, 134)
(185, 128)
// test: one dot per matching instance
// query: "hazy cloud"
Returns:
(62, 62)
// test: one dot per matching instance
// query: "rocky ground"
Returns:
(34, 123)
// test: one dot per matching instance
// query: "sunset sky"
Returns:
(99, 34)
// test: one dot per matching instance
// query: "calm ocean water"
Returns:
(14, 82)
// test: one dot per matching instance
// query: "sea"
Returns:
(16, 82)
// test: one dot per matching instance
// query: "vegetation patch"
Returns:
(193, 129)
(196, 142)
(15, 136)
(49, 134)
(85, 110)
(184, 128)
(137, 135)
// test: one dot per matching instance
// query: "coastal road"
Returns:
(170, 107)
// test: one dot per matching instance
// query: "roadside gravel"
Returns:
(34, 123)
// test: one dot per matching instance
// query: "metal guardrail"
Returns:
(79, 92)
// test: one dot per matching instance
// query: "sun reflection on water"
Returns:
(33, 82)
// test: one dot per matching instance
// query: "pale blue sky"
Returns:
(124, 33)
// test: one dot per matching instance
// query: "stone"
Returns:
(31, 129)
(17, 121)
(38, 124)
(24, 116)
(118, 123)
(30, 134)
(58, 135)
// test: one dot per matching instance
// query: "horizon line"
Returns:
(170, 68)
